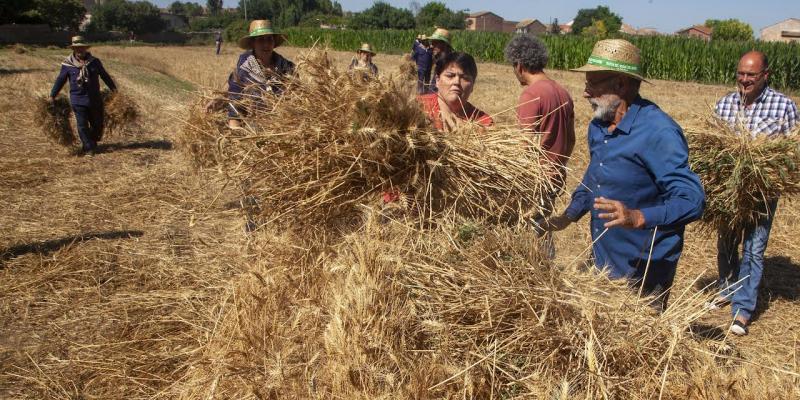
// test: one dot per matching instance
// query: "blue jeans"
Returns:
(739, 279)
(90, 125)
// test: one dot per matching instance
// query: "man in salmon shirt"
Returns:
(544, 109)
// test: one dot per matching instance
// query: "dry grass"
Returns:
(193, 308)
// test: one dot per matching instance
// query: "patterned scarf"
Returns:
(264, 76)
(83, 75)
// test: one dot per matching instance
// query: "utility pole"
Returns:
(245, 9)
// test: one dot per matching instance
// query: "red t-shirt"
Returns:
(430, 103)
(551, 116)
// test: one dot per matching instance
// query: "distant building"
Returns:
(486, 21)
(784, 31)
(530, 26)
(174, 22)
(566, 28)
(697, 31)
(628, 29)
(647, 32)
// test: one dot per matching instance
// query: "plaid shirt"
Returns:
(772, 113)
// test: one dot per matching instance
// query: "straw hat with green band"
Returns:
(366, 48)
(440, 34)
(78, 41)
(260, 27)
(614, 55)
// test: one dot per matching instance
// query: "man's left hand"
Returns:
(618, 215)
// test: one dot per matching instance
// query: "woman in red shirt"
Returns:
(455, 79)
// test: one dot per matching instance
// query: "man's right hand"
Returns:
(554, 224)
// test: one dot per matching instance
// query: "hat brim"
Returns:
(597, 68)
(439, 39)
(364, 51)
(74, 45)
(246, 42)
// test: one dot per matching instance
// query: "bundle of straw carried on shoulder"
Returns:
(53, 118)
(121, 113)
(332, 143)
(740, 173)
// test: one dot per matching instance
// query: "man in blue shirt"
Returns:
(83, 71)
(638, 186)
(762, 112)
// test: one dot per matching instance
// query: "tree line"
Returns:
(145, 17)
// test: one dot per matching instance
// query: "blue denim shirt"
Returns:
(89, 94)
(644, 164)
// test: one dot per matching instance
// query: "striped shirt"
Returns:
(772, 113)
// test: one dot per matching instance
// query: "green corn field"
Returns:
(663, 57)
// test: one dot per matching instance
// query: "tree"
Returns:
(729, 29)
(435, 14)
(214, 7)
(383, 16)
(59, 14)
(555, 28)
(586, 18)
(290, 12)
(177, 8)
(598, 29)
(126, 16)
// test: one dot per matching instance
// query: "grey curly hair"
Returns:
(528, 51)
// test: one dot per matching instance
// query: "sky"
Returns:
(667, 16)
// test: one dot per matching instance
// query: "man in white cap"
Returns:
(84, 71)
(638, 186)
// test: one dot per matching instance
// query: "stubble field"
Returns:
(118, 273)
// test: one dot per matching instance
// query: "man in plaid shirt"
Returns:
(763, 111)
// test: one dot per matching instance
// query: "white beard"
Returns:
(605, 108)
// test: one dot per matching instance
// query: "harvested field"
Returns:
(130, 275)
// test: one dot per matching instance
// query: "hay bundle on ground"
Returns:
(333, 142)
(395, 313)
(741, 173)
(53, 118)
(121, 113)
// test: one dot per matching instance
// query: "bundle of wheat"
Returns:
(741, 173)
(121, 113)
(53, 118)
(333, 142)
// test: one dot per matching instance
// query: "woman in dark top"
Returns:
(84, 72)
(259, 70)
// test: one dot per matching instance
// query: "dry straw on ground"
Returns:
(395, 313)
(53, 118)
(334, 142)
(741, 173)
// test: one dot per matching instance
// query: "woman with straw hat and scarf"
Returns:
(259, 70)
(84, 72)
(363, 60)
